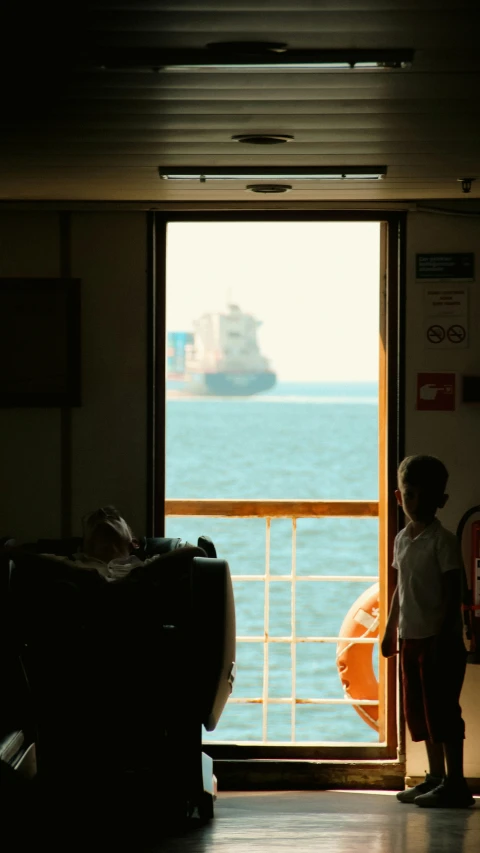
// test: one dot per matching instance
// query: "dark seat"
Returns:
(16, 727)
(124, 673)
(17, 735)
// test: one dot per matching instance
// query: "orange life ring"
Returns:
(355, 660)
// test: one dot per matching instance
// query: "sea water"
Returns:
(299, 441)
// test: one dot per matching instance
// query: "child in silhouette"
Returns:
(426, 610)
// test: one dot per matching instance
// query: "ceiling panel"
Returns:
(72, 131)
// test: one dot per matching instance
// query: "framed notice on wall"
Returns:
(40, 342)
(445, 266)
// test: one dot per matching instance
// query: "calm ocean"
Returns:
(316, 441)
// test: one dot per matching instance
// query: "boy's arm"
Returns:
(452, 596)
(389, 642)
(451, 567)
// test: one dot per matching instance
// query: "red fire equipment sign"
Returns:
(436, 392)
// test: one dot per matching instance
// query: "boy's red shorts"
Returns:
(433, 670)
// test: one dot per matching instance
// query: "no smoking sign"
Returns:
(435, 334)
(446, 335)
(446, 317)
(456, 333)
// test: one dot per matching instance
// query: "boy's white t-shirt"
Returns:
(420, 563)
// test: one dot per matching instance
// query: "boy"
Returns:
(426, 609)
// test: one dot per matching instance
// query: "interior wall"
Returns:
(109, 451)
(453, 436)
(30, 438)
(108, 431)
(108, 254)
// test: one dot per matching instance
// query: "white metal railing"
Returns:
(292, 510)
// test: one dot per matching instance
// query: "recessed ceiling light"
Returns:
(262, 138)
(269, 188)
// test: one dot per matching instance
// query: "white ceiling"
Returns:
(75, 133)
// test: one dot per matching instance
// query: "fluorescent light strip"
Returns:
(236, 57)
(374, 175)
(278, 66)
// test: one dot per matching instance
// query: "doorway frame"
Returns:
(391, 442)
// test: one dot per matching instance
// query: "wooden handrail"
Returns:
(270, 508)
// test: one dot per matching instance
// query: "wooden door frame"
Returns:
(391, 437)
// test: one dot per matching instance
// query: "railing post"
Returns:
(292, 510)
(294, 627)
(266, 629)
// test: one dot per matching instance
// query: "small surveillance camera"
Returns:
(466, 184)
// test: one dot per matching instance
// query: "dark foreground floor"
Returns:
(248, 822)
(328, 822)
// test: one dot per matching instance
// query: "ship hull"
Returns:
(224, 384)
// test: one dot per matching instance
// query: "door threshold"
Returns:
(295, 774)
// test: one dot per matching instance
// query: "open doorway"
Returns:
(278, 407)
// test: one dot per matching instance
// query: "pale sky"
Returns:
(314, 286)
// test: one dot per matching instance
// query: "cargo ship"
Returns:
(220, 358)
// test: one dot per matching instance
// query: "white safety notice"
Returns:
(446, 302)
(445, 317)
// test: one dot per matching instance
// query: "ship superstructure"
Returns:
(221, 357)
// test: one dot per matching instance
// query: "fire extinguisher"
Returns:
(471, 597)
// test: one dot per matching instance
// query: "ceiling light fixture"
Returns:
(253, 56)
(269, 188)
(312, 173)
(262, 138)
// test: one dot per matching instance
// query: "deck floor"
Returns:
(329, 822)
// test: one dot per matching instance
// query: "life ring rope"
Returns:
(374, 627)
(355, 660)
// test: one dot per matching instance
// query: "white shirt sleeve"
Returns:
(395, 553)
(449, 554)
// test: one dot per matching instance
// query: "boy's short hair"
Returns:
(425, 471)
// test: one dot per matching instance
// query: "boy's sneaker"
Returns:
(447, 795)
(409, 794)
